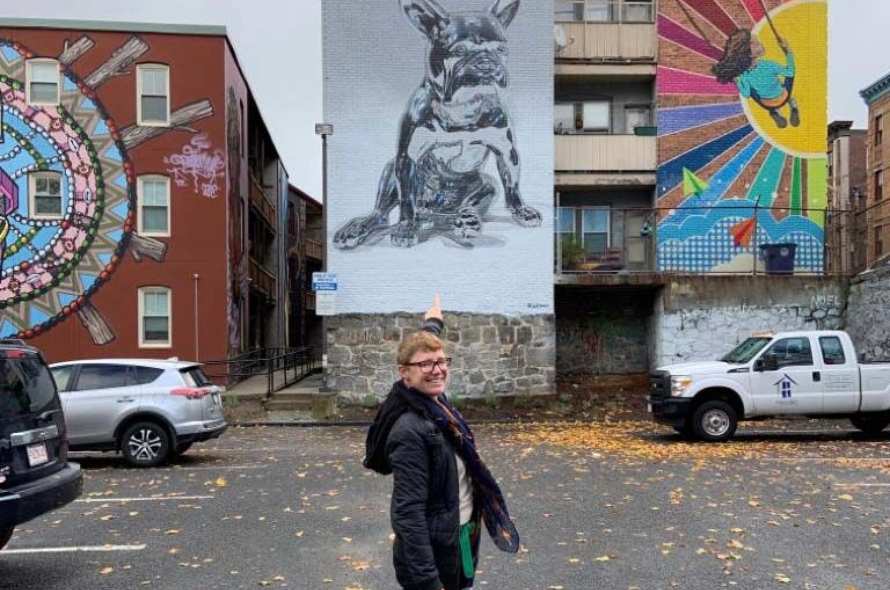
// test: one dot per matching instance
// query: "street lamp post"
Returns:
(324, 130)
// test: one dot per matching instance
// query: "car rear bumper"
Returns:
(28, 501)
(672, 411)
(201, 431)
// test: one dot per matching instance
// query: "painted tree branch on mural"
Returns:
(117, 64)
(142, 246)
(135, 135)
(98, 327)
(74, 51)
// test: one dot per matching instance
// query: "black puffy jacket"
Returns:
(425, 510)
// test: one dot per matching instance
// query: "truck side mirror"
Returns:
(758, 366)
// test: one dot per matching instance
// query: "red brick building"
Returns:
(877, 97)
(142, 195)
(845, 244)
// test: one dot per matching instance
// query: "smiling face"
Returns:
(431, 383)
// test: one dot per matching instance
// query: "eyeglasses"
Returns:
(426, 367)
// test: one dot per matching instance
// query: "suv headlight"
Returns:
(679, 385)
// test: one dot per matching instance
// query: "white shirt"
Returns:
(464, 491)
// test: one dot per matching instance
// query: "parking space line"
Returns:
(802, 459)
(220, 467)
(252, 450)
(152, 499)
(87, 549)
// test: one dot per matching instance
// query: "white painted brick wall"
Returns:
(373, 61)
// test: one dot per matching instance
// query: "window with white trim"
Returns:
(45, 195)
(155, 317)
(42, 78)
(154, 205)
(153, 92)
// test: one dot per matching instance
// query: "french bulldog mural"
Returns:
(455, 122)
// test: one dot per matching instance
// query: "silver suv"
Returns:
(149, 410)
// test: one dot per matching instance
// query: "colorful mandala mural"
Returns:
(53, 264)
(742, 92)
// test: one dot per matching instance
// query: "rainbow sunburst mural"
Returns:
(742, 119)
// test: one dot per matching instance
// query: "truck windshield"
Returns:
(746, 351)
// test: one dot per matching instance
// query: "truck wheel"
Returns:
(5, 535)
(870, 424)
(714, 421)
(145, 444)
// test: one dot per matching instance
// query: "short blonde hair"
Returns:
(415, 342)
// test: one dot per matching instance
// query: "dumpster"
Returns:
(778, 258)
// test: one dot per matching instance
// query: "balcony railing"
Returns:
(262, 280)
(261, 202)
(604, 11)
(601, 30)
(604, 240)
(314, 249)
(605, 153)
(728, 238)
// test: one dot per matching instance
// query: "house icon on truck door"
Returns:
(784, 386)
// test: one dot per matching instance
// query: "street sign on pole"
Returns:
(324, 281)
(326, 303)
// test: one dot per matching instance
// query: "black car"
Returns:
(35, 475)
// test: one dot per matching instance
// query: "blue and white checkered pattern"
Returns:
(701, 254)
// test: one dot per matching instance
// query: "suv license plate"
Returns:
(37, 455)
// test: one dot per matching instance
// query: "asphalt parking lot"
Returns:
(599, 507)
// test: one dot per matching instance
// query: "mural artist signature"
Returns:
(199, 162)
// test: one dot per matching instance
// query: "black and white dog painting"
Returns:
(454, 124)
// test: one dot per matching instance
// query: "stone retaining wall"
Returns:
(493, 355)
(868, 314)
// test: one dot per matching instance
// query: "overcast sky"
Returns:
(279, 45)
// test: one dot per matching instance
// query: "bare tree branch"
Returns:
(117, 64)
(99, 329)
(73, 52)
(179, 119)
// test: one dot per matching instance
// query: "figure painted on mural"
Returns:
(768, 83)
(236, 251)
(9, 202)
(442, 490)
(454, 124)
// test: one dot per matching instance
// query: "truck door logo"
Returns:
(784, 386)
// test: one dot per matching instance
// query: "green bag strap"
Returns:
(466, 550)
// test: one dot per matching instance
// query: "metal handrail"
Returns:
(268, 362)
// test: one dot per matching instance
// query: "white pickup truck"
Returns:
(811, 374)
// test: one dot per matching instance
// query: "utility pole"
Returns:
(324, 130)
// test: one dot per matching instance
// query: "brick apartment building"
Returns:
(877, 225)
(846, 251)
(304, 256)
(605, 177)
(144, 200)
(665, 173)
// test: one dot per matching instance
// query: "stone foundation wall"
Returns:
(493, 355)
(605, 342)
(868, 314)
